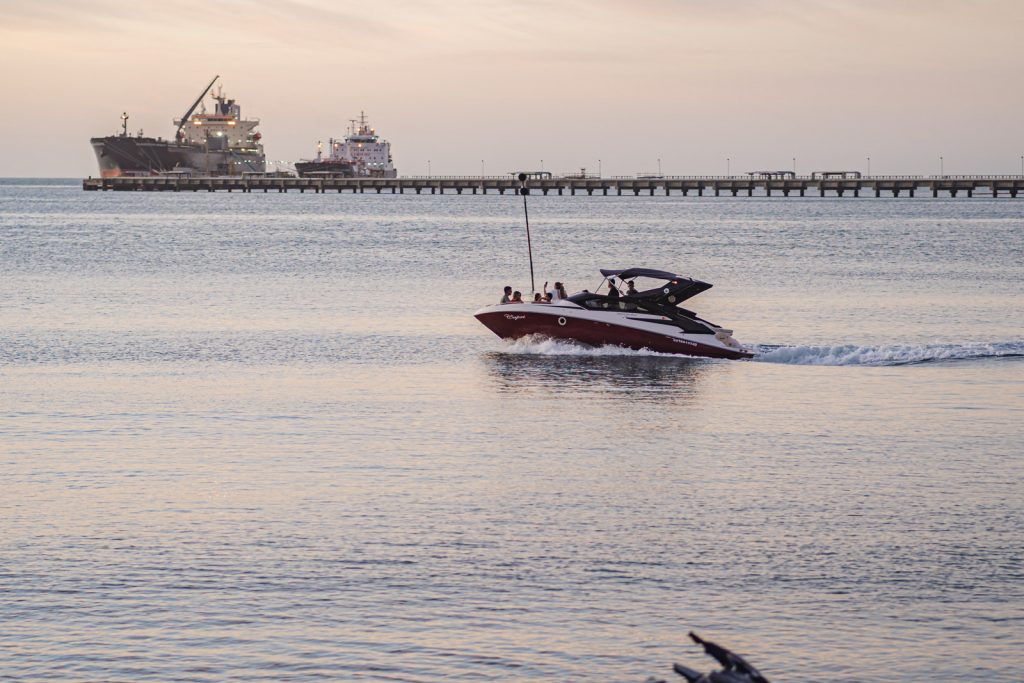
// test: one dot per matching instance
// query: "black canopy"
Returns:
(675, 289)
(627, 273)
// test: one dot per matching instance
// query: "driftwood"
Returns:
(735, 669)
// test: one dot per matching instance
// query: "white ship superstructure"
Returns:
(222, 130)
(369, 155)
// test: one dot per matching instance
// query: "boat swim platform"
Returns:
(1010, 186)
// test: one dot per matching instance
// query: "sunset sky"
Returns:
(691, 82)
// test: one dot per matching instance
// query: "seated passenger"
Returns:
(517, 297)
(505, 298)
(547, 298)
(631, 289)
(537, 299)
(613, 291)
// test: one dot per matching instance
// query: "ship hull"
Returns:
(119, 155)
(338, 169)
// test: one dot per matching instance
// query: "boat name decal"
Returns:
(515, 317)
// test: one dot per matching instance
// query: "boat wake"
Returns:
(545, 346)
(842, 354)
(885, 355)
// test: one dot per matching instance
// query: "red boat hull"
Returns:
(514, 325)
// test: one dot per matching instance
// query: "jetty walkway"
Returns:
(802, 186)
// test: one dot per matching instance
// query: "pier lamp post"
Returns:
(599, 175)
(541, 165)
(942, 167)
(728, 169)
(794, 165)
(428, 168)
(481, 168)
(1022, 165)
(659, 166)
(869, 166)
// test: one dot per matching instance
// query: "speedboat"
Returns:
(648, 319)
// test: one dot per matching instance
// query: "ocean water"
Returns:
(261, 437)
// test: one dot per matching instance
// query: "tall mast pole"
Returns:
(529, 246)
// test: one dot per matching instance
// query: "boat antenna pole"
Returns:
(524, 190)
(184, 119)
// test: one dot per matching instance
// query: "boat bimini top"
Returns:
(675, 289)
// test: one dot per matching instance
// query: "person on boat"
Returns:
(547, 298)
(558, 292)
(613, 291)
(537, 298)
(517, 297)
(508, 293)
(631, 289)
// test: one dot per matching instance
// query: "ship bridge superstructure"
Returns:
(222, 129)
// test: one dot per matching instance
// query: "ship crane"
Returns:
(184, 119)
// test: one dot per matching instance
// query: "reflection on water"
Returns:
(640, 378)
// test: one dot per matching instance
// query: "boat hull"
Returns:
(514, 321)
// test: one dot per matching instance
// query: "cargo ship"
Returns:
(362, 154)
(217, 143)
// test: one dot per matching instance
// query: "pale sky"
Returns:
(510, 83)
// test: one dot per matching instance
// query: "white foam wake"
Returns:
(889, 354)
(842, 354)
(545, 346)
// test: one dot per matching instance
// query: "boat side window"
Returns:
(608, 304)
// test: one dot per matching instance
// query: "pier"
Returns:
(1010, 186)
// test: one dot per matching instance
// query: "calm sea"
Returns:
(261, 437)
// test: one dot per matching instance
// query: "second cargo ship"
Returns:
(362, 154)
